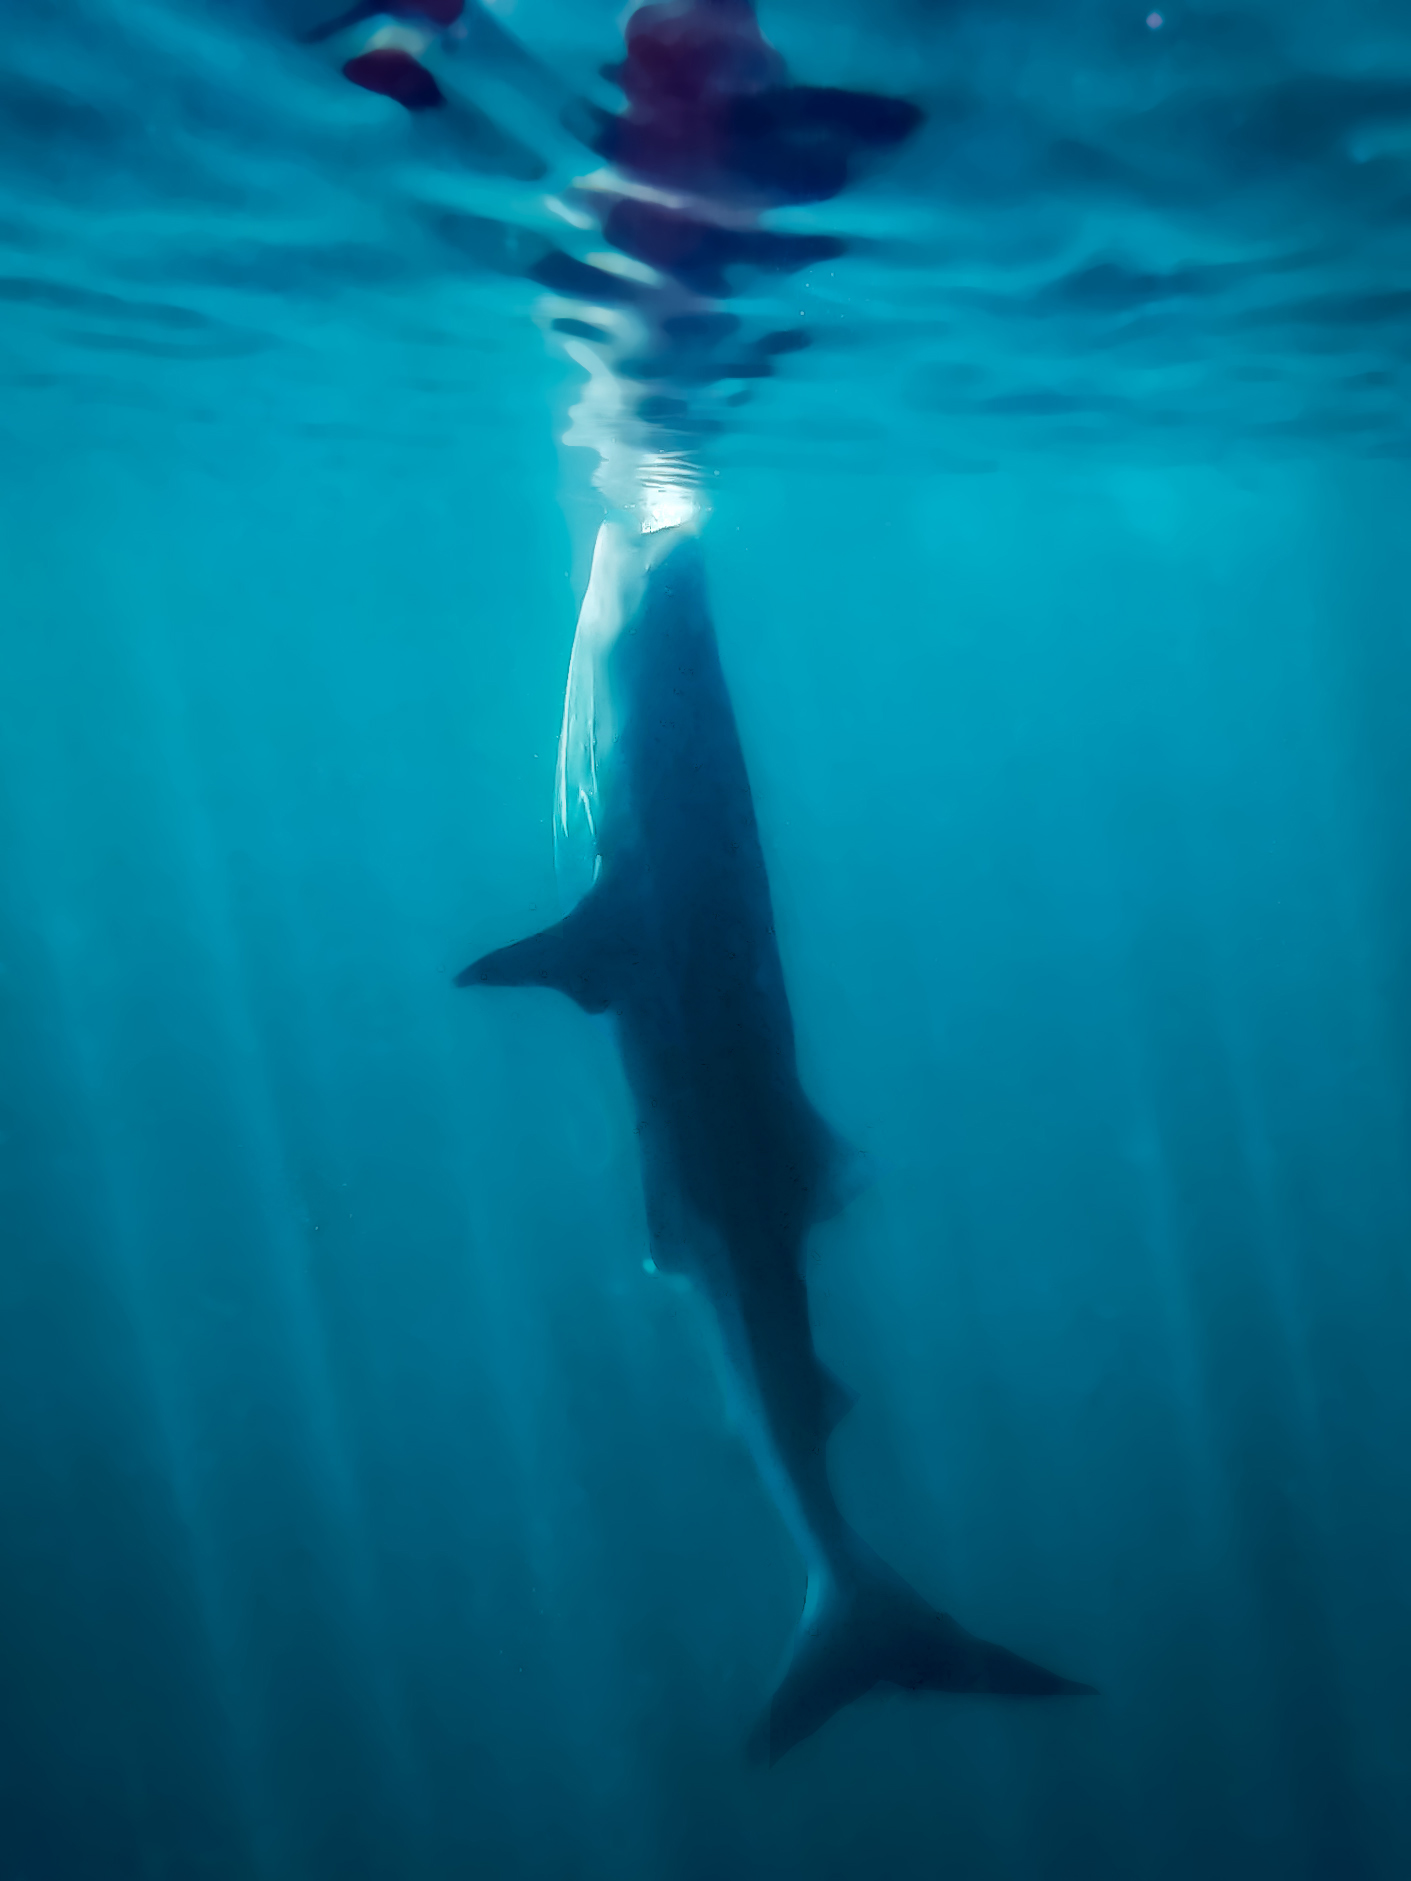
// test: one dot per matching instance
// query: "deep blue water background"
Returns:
(365, 1508)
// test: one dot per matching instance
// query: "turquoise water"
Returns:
(367, 1509)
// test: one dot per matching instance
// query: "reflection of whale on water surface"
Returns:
(676, 940)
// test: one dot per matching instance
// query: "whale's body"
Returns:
(675, 939)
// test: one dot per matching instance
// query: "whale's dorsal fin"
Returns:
(575, 956)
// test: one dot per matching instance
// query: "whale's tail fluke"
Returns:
(866, 1628)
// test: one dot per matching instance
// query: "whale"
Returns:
(672, 935)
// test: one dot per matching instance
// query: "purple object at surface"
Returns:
(710, 109)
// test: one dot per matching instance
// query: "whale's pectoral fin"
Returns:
(573, 956)
(870, 1629)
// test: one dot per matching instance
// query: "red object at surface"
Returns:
(691, 54)
(397, 75)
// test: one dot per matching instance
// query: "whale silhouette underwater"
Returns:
(674, 938)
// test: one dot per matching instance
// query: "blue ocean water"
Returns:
(367, 1508)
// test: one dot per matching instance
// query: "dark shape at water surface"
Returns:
(710, 109)
(690, 352)
(1105, 287)
(697, 253)
(45, 117)
(578, 330)
(580, 280)
(397, 75)
(505, 248)
(1378, 307)
(232, 345)
(676, 941)
(1047, 404)
(35, 291)
(474, 138)
(316, 270)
